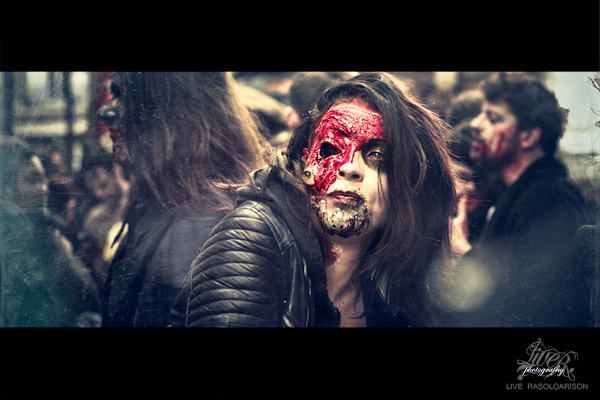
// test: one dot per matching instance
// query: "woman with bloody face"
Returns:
(341, 232)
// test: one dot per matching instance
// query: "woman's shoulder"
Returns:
(251, 219)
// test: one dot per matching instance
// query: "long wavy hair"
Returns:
(421, 198)
(188, 133)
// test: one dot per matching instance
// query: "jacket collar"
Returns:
(267, 185)
(546, 168)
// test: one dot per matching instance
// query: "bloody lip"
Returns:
(478, 146)
(345, 197)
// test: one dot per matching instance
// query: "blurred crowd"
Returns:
(62, 229)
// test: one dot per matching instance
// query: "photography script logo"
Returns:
(546, 362)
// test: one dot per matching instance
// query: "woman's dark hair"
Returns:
(187, 133)
(533, 105)
(421, 180)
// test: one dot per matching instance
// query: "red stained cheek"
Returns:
(323, 172)
(497, 146)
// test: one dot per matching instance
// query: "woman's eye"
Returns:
(328, 150)
(375, 156)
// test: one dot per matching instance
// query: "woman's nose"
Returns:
(352, 170)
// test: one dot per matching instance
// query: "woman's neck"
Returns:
(342, 287)
(342, 263)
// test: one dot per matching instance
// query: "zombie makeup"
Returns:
(342, 218)
(342, 132)
(494, 137)
(112, 114)
(342, 167)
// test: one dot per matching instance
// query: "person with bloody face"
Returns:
(342, 231)
(524, 271)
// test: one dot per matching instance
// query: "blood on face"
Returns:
(342, 133)
(347, 131)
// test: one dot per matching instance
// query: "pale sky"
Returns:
(576, 93)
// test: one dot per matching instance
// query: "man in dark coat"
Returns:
(526, 270)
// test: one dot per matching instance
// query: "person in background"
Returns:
(41, 283)
(306, 88)
(269, 115)
(524, 270)
(61, 186)
(343, 230)
(187, 142)
(484, 185)
(107, 194)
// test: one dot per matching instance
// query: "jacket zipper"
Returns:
(287, 321)
(307, 315)
(289, 324)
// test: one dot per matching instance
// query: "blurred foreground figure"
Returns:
(41, 283)
(187, 141)
(527, 268)
(342, 232)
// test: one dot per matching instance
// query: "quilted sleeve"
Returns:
(236, 280)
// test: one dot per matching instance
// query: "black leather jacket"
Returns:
(154, 258)
(262, 267)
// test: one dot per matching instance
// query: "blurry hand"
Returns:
(459, 230)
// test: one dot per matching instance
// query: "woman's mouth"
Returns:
(343, 213)
(350, 198)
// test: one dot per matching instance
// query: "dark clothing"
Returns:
(151, 263)
(41, 283)
(525, 271)
(263, 267)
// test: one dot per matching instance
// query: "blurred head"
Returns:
(306, 88)
(495, 137)
(101, 184)
(464, 106)
(97, 175)
(461, 111)
(185, 132)
(515, 106)
(22, 176)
